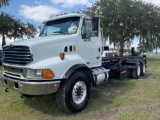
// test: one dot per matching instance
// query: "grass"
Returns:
(121, 100)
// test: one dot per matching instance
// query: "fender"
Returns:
(77, 67)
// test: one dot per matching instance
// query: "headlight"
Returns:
(38, 73)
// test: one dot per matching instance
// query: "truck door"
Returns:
(90, 44)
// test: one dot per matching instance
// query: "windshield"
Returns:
(61, 26)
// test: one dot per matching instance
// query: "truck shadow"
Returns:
(46, 104)
(150, 76)
(147, 75)
(103, 94)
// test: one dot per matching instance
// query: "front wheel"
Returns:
(73, 94)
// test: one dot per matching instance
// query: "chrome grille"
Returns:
(19, 55)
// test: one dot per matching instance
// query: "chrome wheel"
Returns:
(144, 68)
(138, 70)
(79, 92)
(73, 94)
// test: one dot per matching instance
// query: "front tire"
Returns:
(73, 94)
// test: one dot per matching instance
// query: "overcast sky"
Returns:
(35, 11)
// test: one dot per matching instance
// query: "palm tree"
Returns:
(13, 28)
(29, 30)
(4, 3)
(6, 26)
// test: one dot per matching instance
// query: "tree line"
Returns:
(122, 20)
(13, 28)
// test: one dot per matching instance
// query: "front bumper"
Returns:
(30, 88)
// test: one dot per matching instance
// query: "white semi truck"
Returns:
(65, 59)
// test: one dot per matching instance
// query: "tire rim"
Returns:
(138, 70)
(144, 68)
(79, 92)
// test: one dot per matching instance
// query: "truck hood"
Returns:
(47, 47)
(42, 40)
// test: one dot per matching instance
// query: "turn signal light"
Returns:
(74, 48)
(62, 55)
(47, 73)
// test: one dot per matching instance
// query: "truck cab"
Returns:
(67, 44)
(65, 59)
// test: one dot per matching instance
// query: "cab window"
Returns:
(86, 30)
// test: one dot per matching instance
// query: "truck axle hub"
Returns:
(79, 92)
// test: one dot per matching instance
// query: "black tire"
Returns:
(137, 71)
(143, 68)
(129, 75)
(65, 93)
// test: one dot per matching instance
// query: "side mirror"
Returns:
(95, 23)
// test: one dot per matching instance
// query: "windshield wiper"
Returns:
(42, 34)
(59, 32)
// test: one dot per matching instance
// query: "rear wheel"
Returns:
(137, 71)
(143, 68)
(74, 93)
(129, 73)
